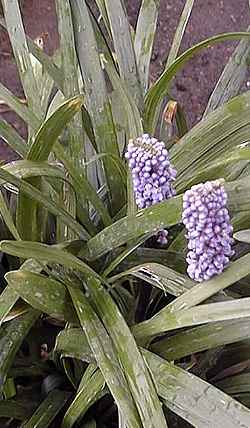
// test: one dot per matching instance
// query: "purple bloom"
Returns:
(209, 231)
(152, 173)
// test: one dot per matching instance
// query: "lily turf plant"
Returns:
(102, 321)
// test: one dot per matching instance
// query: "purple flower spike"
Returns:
(209, 231)
(152, 173)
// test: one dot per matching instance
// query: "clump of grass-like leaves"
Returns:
(99, 326)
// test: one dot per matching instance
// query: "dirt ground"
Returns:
(192, 86)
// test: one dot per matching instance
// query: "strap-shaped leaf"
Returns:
(90, 390)
(46, 60)
(42, 293)
(19, 108)
(8, 298)
(180, 32)
(185, 394)
(231, 78)
(97, 98)
(11, 337)
(103, 350)
(159, 276)
(41, 146)
(49, 254)
(134, 124)
(38, 196)
(198, 339)
(7, 217)
(218, 169)
(129, 250)
(202, 314)
(144, 38)
(71, 342)
(75, 140)
(157, 92)
(243, 236)
(52, 128)
(212, 138)
(12, 138)
(22, 55)
(138, 376)
(83, 187)
(152, 219)
(124, 48)
(48, 409)
(26, 169)
(237, 270)
(14, 409)
(194, 399)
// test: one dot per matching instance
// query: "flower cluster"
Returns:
(152, 173)
(209, 231)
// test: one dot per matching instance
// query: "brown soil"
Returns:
(192, 86)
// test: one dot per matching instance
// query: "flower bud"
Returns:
(152, 173)
(209, 233)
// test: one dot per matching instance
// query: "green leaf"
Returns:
(138, 376)
(180, 32)
(96, 95)
(12, 138)
(112, 318)
(124, 48)
(103, 350)
(235, 384)
(159, 276)
(212, 138)
(217, 169)
(42, 293)
(48, 410)
(185, 394)
(8, 298)
(129, 250)
(71, 87)
(53, 208)
(181, 121)
(11, 337)
(201, 338)
(133, 115)
(14, 409)
(103, 11)
(144, 38)
(232, 77)
(72, 343)
(236, 270)
(82, 186)
(243, 236)
(149, 220)
(155, 218)
(92, 389)
(157, 92)
(49, 254)
(46, 60)
(20, 49)
(134, 124)
(52, 128)
(194, 399)
(25, 169)
(7, 217)
(19, 108)
(202, 314)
